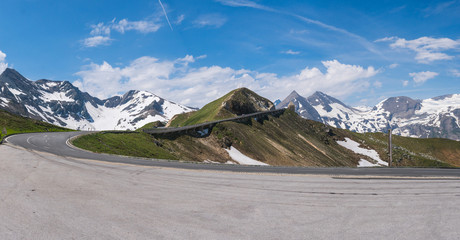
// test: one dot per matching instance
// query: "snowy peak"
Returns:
(434, 117)
(319, 98)
(61, 103)
(294, 97)
(401, 106)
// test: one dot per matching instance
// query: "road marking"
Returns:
(28, 141)
(69, 145)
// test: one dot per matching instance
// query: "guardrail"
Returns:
(201, 128)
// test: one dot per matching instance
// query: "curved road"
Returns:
(47, 193)
(58, 143)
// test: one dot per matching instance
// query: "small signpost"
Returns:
(4, 132)
(390, 148)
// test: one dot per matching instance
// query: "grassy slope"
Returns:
(17, 124)
(128, 144)
(151, 125)
(238, 101)
(415, 151)
(210, 112)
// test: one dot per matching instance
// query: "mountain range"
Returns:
(62, 104)
(436, 117)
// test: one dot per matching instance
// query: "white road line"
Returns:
(69, 145)
(28, 141)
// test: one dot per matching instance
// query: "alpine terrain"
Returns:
(430, 118)
(281, 139)
(62, 104)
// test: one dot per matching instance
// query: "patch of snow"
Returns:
(16, 92)
(6, 100)
(243, 159)
(365, 163)
(354, 146)
(56, 96)
(363, 108)
(209, 161)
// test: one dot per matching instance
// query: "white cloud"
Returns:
(101, 32)
(455, 72)
(140, 26)
(378, 84)
(3, 64)
(96, 41)
(214, 20)
(339, 80)
(290, 52)
(422, 77)
(100, 29)
(405, 83)
(178, 81)
(393, 66)
(180, 19)
(427, 49)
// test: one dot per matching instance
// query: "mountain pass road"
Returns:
(49, 190)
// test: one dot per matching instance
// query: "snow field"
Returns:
(242, 159)
(354, 146)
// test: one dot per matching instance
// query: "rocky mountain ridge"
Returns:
(62, 104)
(430, 118)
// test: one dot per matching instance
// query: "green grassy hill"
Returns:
(237, 102)
(16, 124)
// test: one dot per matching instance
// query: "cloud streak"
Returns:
(179, 81)
(291, 52)
(166, 15)
(246, 3)
(213, 20)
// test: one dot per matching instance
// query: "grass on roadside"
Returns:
(17, 124)
(127, 144)
(416, 152)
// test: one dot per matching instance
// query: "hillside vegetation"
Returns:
(287, 140)
(16, 124)
(237, 102)
(420, 152)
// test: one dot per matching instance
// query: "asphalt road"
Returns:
(50, 191)
(57, 143)
(46, 196)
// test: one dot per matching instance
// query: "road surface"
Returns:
(57, 143)
(47, 194)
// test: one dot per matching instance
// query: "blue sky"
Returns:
(193, 52)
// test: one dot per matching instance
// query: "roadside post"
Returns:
(390, 149)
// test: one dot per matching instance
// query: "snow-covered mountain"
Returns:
(61, 103)
(434, 117)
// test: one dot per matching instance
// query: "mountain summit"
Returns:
(237, 102)
(436, 117)
(61, 103)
